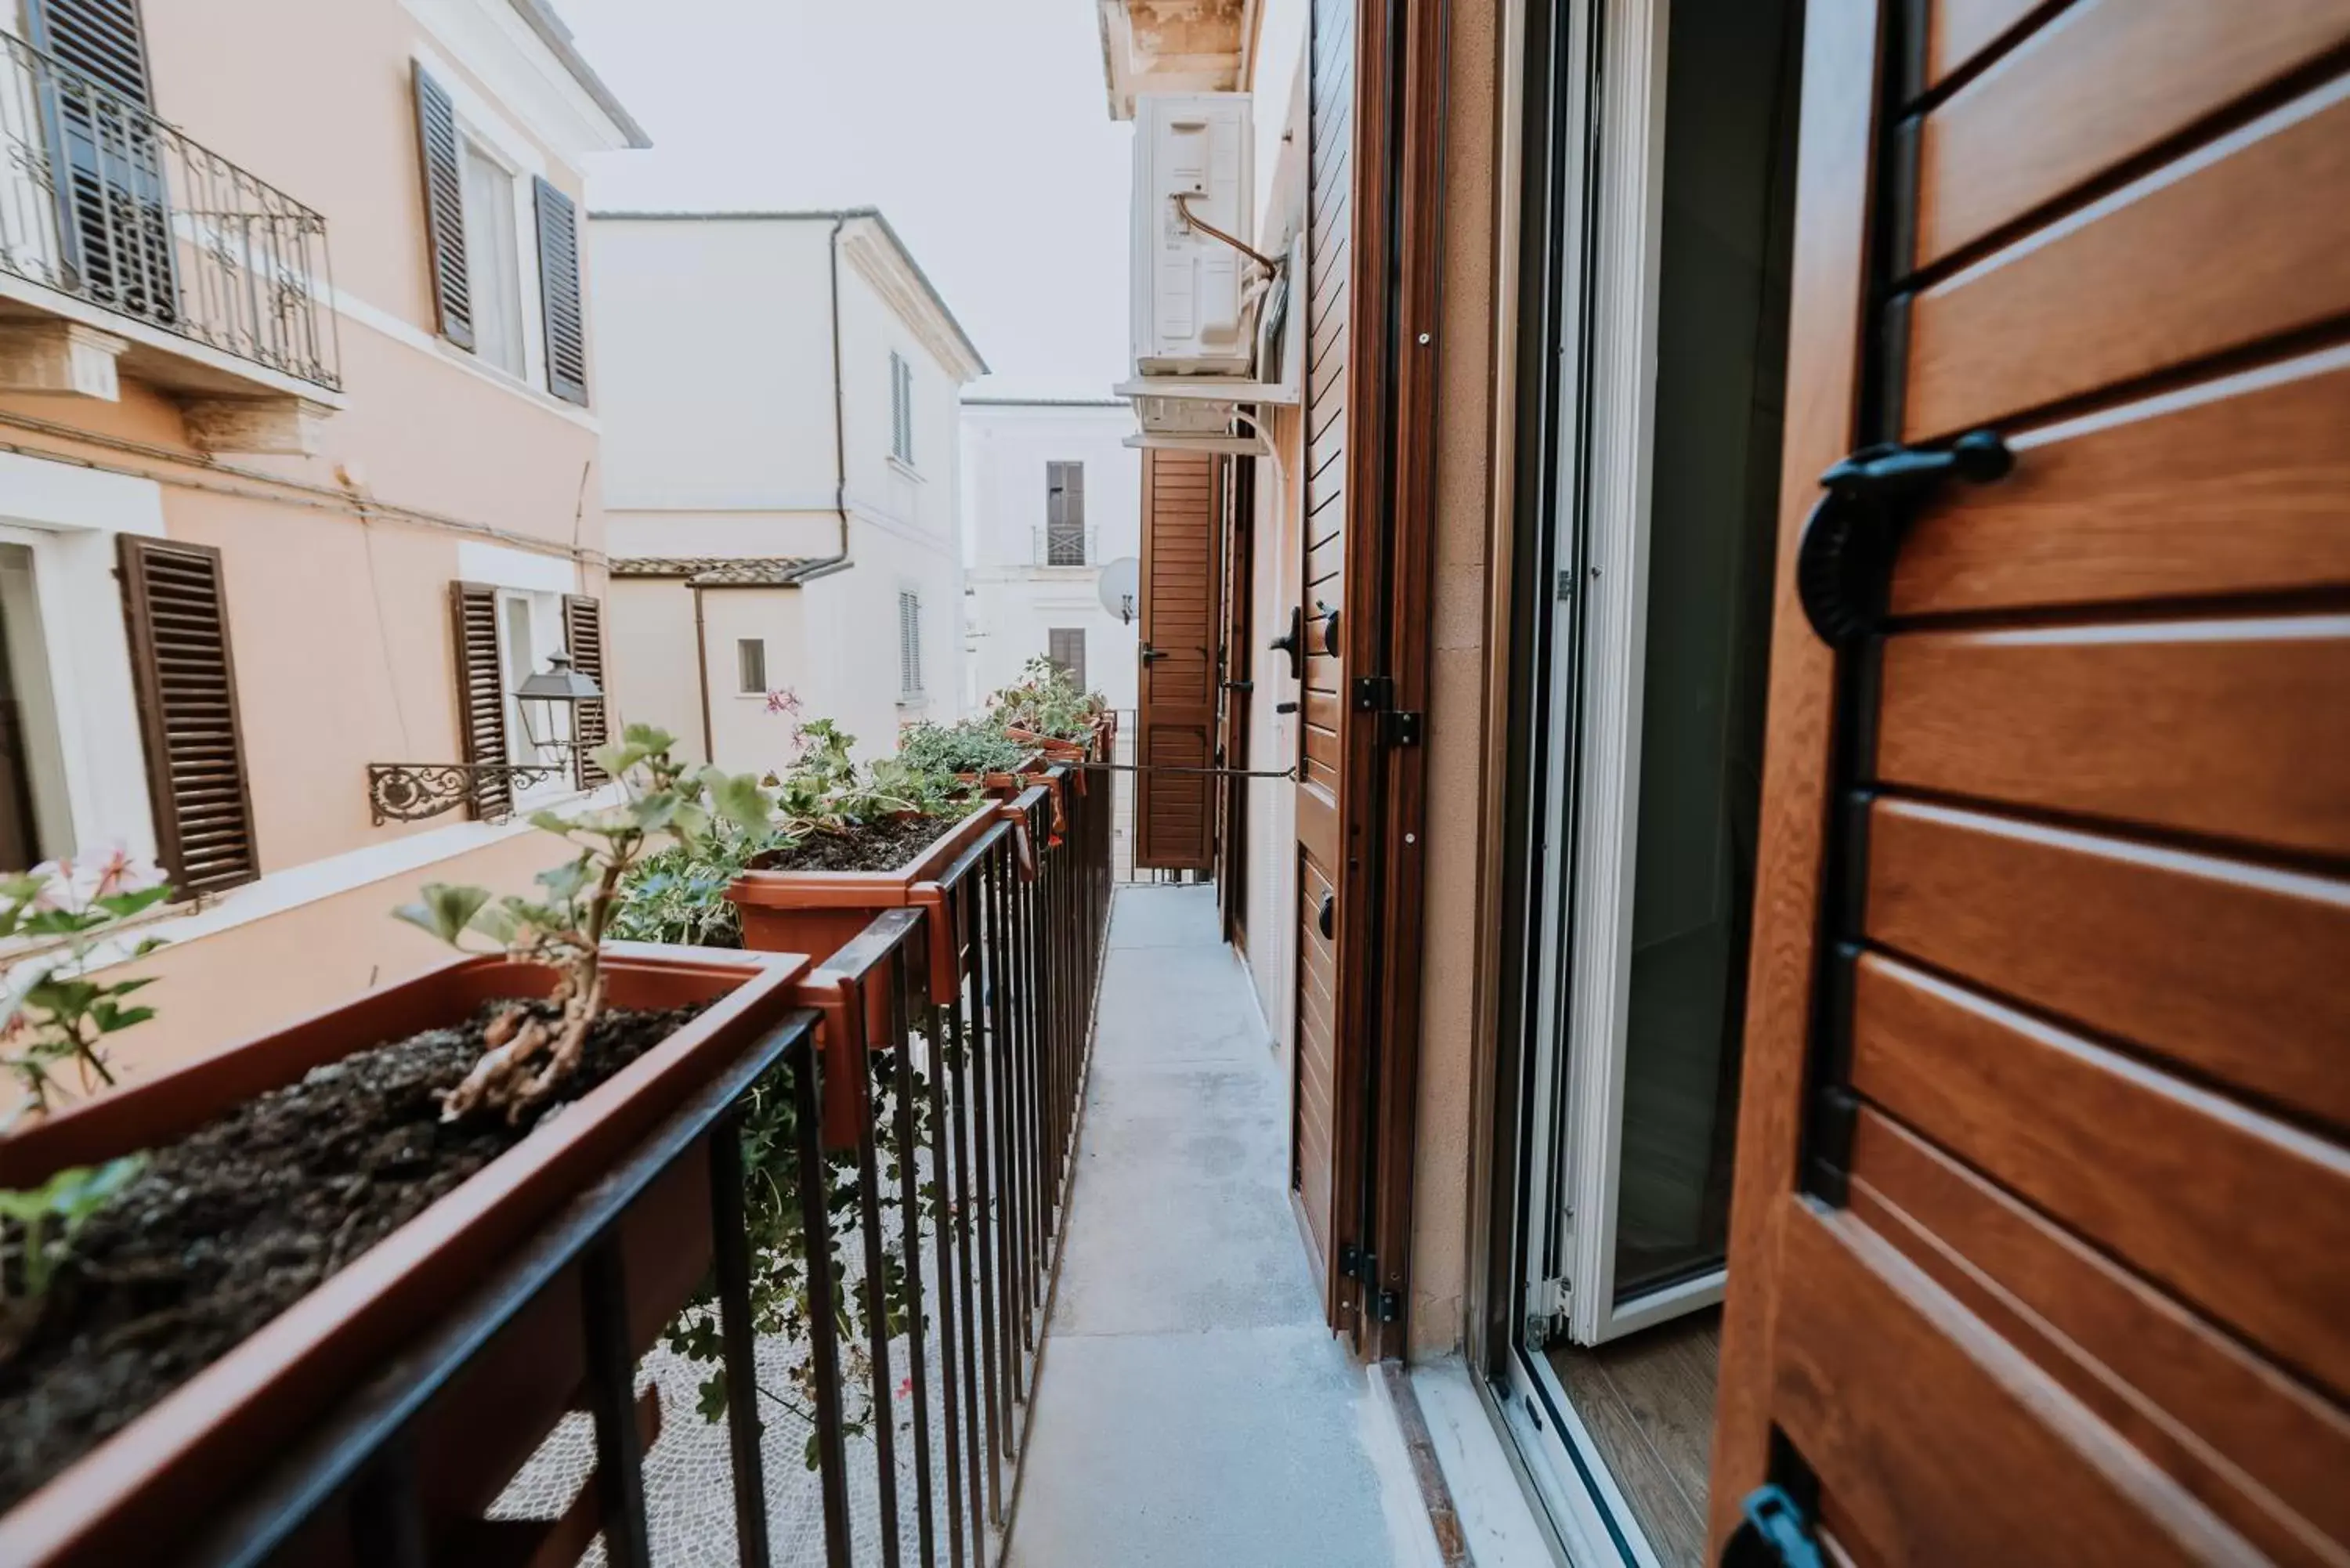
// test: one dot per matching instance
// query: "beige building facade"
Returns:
(286, 356)
(783, 430)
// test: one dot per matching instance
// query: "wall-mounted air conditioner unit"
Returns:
(1193, 293)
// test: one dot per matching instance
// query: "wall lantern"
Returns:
(549, 704)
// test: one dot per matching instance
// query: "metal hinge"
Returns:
(1373, 693)
(1400, 727)
(1546, 1306)
(1353, 1262)
(1388, 1307)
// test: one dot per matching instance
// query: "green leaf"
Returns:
(653, 812)
(738, 799)
(122, 906)
(617, 761)
(648, 738)
(551, 822)
(444, 909)
(565, 882)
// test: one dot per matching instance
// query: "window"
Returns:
(910, 642)
(902, 408)
(751, 665)
(517, 656)
(1065, 646)
(493, 261)
(1065, 514)
(36, 818)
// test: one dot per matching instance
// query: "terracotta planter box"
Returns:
(178, 1466)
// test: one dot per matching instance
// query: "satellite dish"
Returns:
(1121, 587)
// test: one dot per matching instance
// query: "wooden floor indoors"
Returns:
(1647, 1403)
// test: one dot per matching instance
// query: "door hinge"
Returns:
(1400, 727)
(1546, 1307)
(1373, 693)
(1353, 1262)
(1386, 1307)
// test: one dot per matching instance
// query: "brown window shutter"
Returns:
(583, 634)
(100, 38)
(558, 294)
(176, 612)
(481, 695)
(444, 208)
(1174, 813)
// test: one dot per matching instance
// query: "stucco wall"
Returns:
(748, 737)
(1459, 749)
(655, 676)
(1014, 602)
(336, 565)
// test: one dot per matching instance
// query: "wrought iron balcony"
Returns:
(102, 202)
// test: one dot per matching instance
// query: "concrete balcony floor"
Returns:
(1193, 1409)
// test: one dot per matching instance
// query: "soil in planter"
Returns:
(881, 845)
(230, 1227)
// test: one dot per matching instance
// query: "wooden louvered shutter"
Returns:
(102, 39)
(481, 695)
(1174, 812)
(558, 294)
(583, 634)
(444, 208)
(176, 613)
(114, 227)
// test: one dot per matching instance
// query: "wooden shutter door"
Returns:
(116, 228)
(2041, 1247)
(443, 176)
(583, 637)
(175, 609)
(481, 695)
(1174, 813)
(558, 293)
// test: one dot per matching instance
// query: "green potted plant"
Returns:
(303, 1204)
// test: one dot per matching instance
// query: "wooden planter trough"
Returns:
(174, 1469)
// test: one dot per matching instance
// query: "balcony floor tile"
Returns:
(1193, 1409)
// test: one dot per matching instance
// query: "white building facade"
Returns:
(1052, 497)
(782, 477)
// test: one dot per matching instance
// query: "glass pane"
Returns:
(493, 265)
(1721, 361)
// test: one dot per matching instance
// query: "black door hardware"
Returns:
(1844, 566)
(1292, 642)
(1284, 707)
(1771, 1533)
(1326, 919)
(1329, 614)
(1243, 687)
(1150, 655)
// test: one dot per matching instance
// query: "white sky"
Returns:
(980, 126)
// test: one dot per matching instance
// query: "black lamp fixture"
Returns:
(549, 704)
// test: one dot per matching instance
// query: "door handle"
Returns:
(1284, 707)
(1844, 565)
(1293, 641)
(1243, 687)
(1329, 614)
(1150, 655)
(1326, 918)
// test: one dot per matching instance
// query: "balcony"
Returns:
(124, 243)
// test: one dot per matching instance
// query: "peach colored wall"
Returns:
(1459, 749)
(218, 989)
(339, 602)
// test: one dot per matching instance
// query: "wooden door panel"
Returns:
(2212, 253)
(2214, 727)
(2242, 1215)
(1182, 612)
(1937, 1440)
(2101, 85)
(2043, 1228)
(2260, 1449)
(2232, 970)
(1958, 31)
(2239, 485)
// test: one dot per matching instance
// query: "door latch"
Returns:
(1771, 1533)
(1293, 641)
(1843, 565)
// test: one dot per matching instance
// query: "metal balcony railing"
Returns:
(102, 201)
(899, 1435)
(1060, 545)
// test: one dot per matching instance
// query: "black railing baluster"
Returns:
(387, 1514)
(823, 1327)
(731, 1261)
(956, 1381)
(611, 1396)
(986, 1188)
(909, 1234)
(884, 1414)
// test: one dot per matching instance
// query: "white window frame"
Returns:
(547, 637)
(913, 694)
(523, 226)
(901, 411)
(68, 518)
(762, 688)
(479, 124)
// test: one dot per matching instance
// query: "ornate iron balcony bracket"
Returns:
(411, 792)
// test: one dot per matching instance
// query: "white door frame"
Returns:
(1585, 921)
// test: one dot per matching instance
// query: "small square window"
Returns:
(1065, 646)
(751, 665)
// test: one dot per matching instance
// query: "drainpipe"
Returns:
(840, 426)
(701, 666)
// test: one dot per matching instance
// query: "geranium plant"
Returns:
(529, 1055)
(1044, 702)
(57, 1016)
(972, 746)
